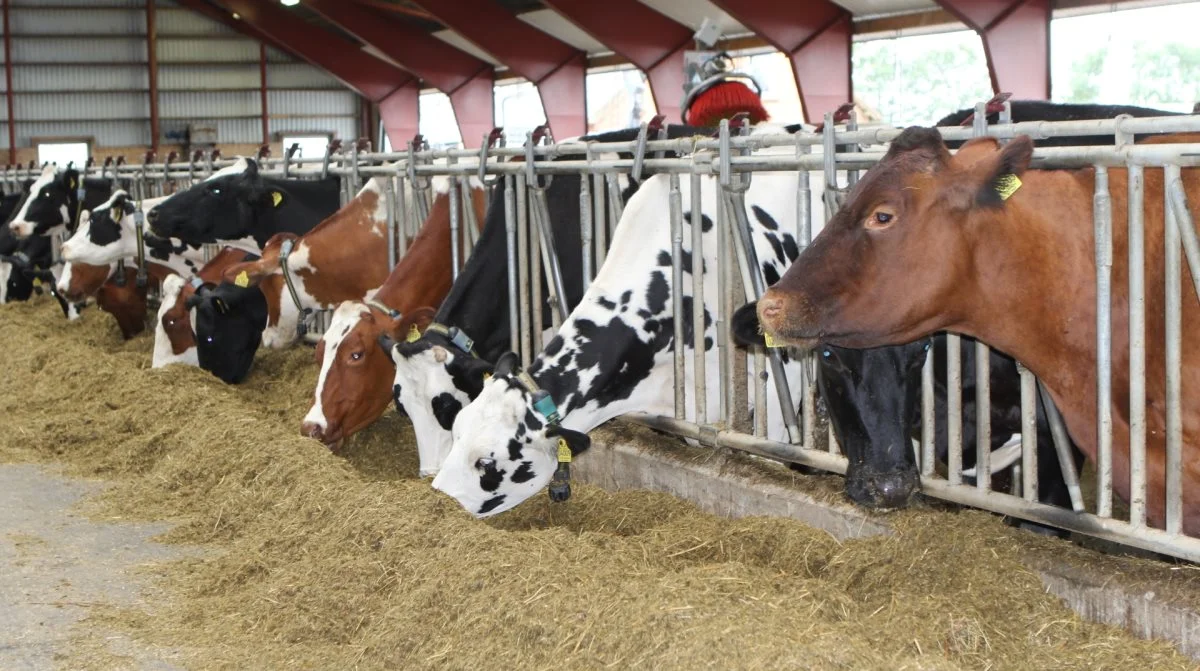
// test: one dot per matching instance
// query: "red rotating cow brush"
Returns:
(718, 92)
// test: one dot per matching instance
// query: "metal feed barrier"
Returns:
(730, 160)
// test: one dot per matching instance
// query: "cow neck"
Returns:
(345, 251)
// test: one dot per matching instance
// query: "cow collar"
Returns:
(560, 482)
(139, 219)
(285, 250)
(458, 338)
(392, 313)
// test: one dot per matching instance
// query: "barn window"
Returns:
(311, 145)
(62, 153)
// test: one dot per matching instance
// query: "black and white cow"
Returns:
(435, 377)
(613, 354)
(55, 201)
(229, 322)
(231, 207)
(1043, 110)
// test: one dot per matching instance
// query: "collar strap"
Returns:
(22, 257)
(392, 313)
(455, 335)
(542, 402)
(196, 282)
(285, 250)
(138, 219)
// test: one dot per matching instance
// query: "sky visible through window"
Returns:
(1148, 56)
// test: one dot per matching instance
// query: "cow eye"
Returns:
(880, 218)
(826, 353)
(216, 190)
(356, 356)
(485, 463)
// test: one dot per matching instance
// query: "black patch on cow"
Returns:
(555, 346)
(706, 223)
(524, 473)
(515, 448)
(768, 222)
(664, 260)
(396, 398)
(625, 297)
(492, 503)
(657, 294)
(776, 246)
(606, 304)
(104, 230)
(790, 249)
(533, 420)
(492, 478)
(445, 409)
(769, 273)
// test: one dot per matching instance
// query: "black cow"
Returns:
(1041, 110)
(247, 204)
(54, 202)
(477, 307)
(229, 325)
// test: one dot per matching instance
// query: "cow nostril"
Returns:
(769, 307)
(892, 490)
(312, 430)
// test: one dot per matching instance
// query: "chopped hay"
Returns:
(325, 561)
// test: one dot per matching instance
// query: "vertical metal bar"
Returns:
(676, 211)
(600, 215)
(469, 223)
(1137, 348)
(535, 285)
(1062, 447)
(515, 315)
(402, 223)
(852, 125)
(523, 270)
(725, 309)
(262, 89)
(585, 227)
(455, 252)
(389, 204)
(1183, 222)
(983, 417)
(1029, 437)
(1173, 351)
(1102, 214)
(556, 288)
(151, 69)
(760, 394)
(954, 408)
(698, 304)
(8, 87)
(616, 206)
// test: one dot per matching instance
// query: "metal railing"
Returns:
(725, 163)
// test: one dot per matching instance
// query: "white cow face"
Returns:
(433, 383)
(504, 450)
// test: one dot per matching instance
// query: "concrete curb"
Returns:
(718, 482)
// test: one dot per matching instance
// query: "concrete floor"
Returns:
(55, 565)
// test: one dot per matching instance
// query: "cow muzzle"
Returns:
(21, 229)
(330, 436)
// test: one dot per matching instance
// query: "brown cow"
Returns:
(126, 302)
(174, 335)
(355, 382)
(343, 259)
(930, 241)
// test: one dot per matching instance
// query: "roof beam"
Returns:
(816, 39)
(556, 68)
(643, 37)
(1016, 41)
(467, 80)
(394, 90)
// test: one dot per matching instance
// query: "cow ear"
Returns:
(251, 168)
(1000, 173)
(578, 441)
(508, 364)
(746, 329)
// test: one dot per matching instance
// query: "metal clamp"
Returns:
(287, 157)
(993, 106)
(532, 139)
(727, 180)
(331, 148)
(490, 140)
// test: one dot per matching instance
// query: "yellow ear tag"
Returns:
(1007, 185)
(487, 376)
(769, 340)
(242, 280)
(277, 198)
(413, 334)
(564, 452)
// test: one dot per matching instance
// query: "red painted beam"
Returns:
(816, 38)
(642, 36)
(468, 80)
(152, 67)
(378, 81)
(8, 89)
(1016, 41)
(556, 68)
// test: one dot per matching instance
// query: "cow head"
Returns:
(229, 323)
(125, 301)
(106, 234)
(435, 378)
(282, 314)
(355, 381)
(51, 203)
(223, 207)
(504, 449)
(886, 268)
(874, 402)
(174, 340)
(82, 280)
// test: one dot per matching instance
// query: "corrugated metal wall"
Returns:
(80, 69)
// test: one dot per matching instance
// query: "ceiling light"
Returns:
(289, 3)
(237, 16)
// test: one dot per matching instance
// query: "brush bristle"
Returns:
(722, 102)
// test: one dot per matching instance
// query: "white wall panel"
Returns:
(216, 104)
(344, 128)
(173, 21)
(101, 49)
(111, 133)
(65, 106)
(332, 103)
(235, 49)
(48, 21)
(75, 78)
(202, 77)
(299, 75)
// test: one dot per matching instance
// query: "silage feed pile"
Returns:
(319, 561)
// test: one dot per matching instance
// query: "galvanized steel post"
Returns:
(1137, 347)
(1102, 215)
